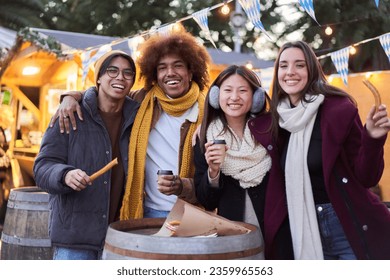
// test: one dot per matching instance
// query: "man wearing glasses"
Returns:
(82, 209)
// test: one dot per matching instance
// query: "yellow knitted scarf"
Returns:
(132, 204)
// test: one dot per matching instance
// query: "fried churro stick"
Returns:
(104, 169)
(375, 92)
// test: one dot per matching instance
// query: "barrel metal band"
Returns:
(22, 241)
(163, 256)
(27, 205)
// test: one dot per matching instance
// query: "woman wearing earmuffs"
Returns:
(242, 180)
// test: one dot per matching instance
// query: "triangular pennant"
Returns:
(309, 8)
(252, 10)
(201, 19)
(88, 60)
(340, 61)
(385, 42)
(377, 3)
(165, 30)
(85, 56)
(133, 44)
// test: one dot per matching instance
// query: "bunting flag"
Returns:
(88, 60)
(165, 29)
(85, 56)
(309, 8)
(252, 10)
(340, 60)
(377, 3)
(133, 44)
(385, 42)
(201, 19)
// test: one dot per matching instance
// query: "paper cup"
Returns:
(164, 172)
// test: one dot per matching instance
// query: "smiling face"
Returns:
(118, 87)
(235, 98)
(293, 73)
(173, 75)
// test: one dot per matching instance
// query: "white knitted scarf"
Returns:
(245, 161)
(301, 209)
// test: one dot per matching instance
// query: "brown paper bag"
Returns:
(195, 221)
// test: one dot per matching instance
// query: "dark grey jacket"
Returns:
(80, 219)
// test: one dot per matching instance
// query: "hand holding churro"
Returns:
(104, 169)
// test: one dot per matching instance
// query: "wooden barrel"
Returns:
(134, 240)
(25, 233)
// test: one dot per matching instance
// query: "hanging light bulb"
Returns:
(225, 10)
(352, 50)
(328, 30)
(249, 65)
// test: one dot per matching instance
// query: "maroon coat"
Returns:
(352, 163)
(276, 236)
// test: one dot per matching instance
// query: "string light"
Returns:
(352, 50)
(249, 65)
(225, 10)
(328, 30)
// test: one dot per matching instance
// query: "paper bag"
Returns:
(194, 221)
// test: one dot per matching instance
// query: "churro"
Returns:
(110, 165)
(375, 92)
(172, 225)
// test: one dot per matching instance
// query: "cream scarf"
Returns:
(301, 209)
(132, 204)
(247, 161)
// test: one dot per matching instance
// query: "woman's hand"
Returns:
(215, 156)
(65, 113)
(378, 123)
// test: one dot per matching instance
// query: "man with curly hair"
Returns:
(174, 69)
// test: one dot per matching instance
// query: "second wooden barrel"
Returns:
(135, 240)
(25, 233)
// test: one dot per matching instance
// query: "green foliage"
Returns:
(352, 21)
(15, 14)
(48, 44)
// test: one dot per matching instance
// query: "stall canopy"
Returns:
(35, 41)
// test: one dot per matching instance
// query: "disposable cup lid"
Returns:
(219, 141)
(164, 172)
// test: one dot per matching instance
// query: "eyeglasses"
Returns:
(113, 72)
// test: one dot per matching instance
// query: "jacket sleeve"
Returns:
(50, 165)
(364, 154)
(207, 195)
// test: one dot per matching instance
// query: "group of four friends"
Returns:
(298, 165)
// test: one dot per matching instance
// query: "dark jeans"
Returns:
(335, 244)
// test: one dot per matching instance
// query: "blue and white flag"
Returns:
(165, 30)
(201, 19)
(309, 8)
(88, 60)
(85, 56)
(252, 10)
(377, 3)
(133, 44)
(385, 42)
(340, 60)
